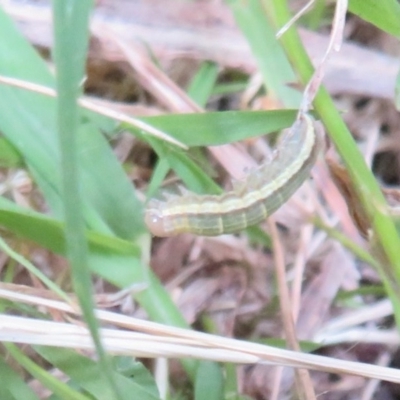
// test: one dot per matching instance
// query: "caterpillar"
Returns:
(250, 201)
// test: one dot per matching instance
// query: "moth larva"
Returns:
(262, 192)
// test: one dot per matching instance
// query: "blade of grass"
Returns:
(9, 157)
(49, 233)
(33, 270)
(229, 87)
(315, 16)
(346, 242)
(231, 389)
(203, 82)
(59, 388)
(160, 171)
(209, 382)
(218, 128)
(385, 14)
(193, 175)
(71, 37)
(13, 386)
(105, 185)
(86, 373)
(271, 60)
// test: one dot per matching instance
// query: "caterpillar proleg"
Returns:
(263, 191)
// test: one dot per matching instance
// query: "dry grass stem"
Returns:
(149, 339)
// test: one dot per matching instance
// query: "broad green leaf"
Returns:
(217, 128)
(13, 386)
(27, 120)
(385, 14)
(85, 372)
(209, 381)
(62, 390)
(9, 157)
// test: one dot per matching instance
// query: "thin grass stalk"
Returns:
(71, 20)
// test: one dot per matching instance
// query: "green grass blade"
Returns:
(271, 59)
(71, 20)
(203, 82)
(105, 185)
(385, 14)
(192, 174)
(314, 18)
(13, 386)
(9, 157)
(59, 388)
(49, 232)
(217, 128)
(160, 172)
(229, 87)
(86, 373)
(209, 382)
(32, 269)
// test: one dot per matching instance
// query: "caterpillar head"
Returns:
(154, 219)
